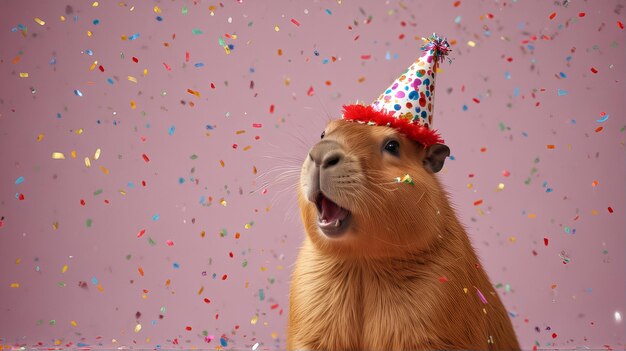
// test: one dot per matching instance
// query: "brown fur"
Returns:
(378, 286)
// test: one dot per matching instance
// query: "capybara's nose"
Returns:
(326, 154)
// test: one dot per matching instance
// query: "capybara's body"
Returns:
(385, 264)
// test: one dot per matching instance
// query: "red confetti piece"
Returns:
(551, 146)
(357, 37)
(506, 173)
(490, 15)
(509, 59)
(483, 149)
(235, 146)
(457, 3)
(101, 68)
(21, 197)
(311, 91)
(186, 56)
(401, 36)
(545, 241)
(620, 25)
(274, 306)
(188, 328)
(610, 209)
(167, 67)
(169, 243)
(135, 60)
(476, 100)
(225, 276)
(141, 233)
(599, 129)
(552, 15)
(294, 21)
(145, 158)
(140, 271)
(231, 255)
(82, 202)
(554, 335)
(207, 300)
(272, 108)
(478, 202)
(581, 14)
(366, 57)
(212, 85)
(593, 70)
(443, 279)
(257, 125)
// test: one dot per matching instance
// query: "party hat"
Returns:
(407, 105)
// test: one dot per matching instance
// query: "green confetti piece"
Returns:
(196, 31)
(193, 157)
(151, 242)
(184, 10)
(244, 264)
(53, 322)
(88, 222)
(61, 284)
(97, 192)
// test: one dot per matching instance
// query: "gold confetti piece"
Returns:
(277, 28)
(73, 323)
(73, 153)
(62, 18)
(89, 33)
(247, 148)
(594, 212)
(240, 132)
(58, 156)
(247, 226)
(100, 288)
(201, 290)
(79, 131)
(223, 202)
(532, 215)
(122, 192)
(157, 9)
(55, 225)
(15, 285)
(465, 290)
(501, 186)
(254, 319)
(39, 21)
(274, 335)
(40, 137)
(64, 269)
(18, 260)
(137, 328)
(145, 72)
(97, 154)
(95, 4)
(57, 342)
(132, 79)
(23, 75)
(133, 105)
(222, 163)
(124, 37)
(93, 65)
(104, 170)
(471, 43)
(227, 49)
(254, 170)
(87, 162)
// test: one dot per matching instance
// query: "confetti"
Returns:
(58, 156)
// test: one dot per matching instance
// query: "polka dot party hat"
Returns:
(407, 105)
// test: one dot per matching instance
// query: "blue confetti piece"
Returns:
(19, 180)
(561, 92)
(324, 61)
(82, 344)
(261, 294)
(530, 47)
(464, 107)
(159, 18)
(507, 75)
(202, 199)
(524, 134)
(89, 52)
(209, 127)
(110, 81)
(181, 180)
(156, 217)
(328, 11)
(516, 92)
(58, 114)
(130, 185)
(53, 61)
(457, 20)
(199, 64)
(134, 36)
(96, 22)
(452, 158)
(562, 75)
(94, 281)
(388, 56)
(223, 342)
(78, 92)
(603, 119)
(175, 265)
(171, 130)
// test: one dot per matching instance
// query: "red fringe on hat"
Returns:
(367, 114)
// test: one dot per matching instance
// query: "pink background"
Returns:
(498, 106)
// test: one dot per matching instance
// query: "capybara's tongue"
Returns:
(330, 211)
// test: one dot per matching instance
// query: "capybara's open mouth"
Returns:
(333, 220)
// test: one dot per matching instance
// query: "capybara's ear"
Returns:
(435, 156)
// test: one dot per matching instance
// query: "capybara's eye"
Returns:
(393, 147)
(323, 133)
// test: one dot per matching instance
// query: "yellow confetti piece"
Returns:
(274, 335)
(247, 148)
(471, 43)
(18, 260)
(87, 162)
(58, 156)
(122, 192)
(23, 75)
(89, 33)
(124, 37)
(222, 163)
(40, 137)
(137, 328)
(15, 285)
(193, 92)
(79, 131)
(132, 79)
(157, 9)
(95, 4)
(100, 288)
(145, 72)
(240, 132)
(62, 18)
(74, 324)
(57, 342)
(64, 269)
(73, 153)
(512, 239)
(133, 105)
(104, 170)
(201, 290)
(254, 319)
(465, 290)
(55, 225)
(96, 155)
(39, 21)
(93, 65)
(247, 226)
(223, 202)
(227, 49)
(500, 186)
(532, 215)
(277, 28)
